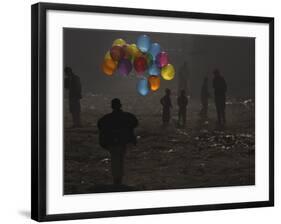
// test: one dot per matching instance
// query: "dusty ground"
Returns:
(199, 155)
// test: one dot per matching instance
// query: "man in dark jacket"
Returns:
(220, 89)
(73, 84)
(116, 130)
(182, 103)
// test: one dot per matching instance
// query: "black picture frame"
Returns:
(38, 56)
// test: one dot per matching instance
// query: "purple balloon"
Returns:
(124, 67)
(162, 59)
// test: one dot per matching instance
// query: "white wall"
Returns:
(15, 110)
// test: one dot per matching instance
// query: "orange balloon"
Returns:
(107, 70)
(109, 66)
(154, 82)
(110, 63)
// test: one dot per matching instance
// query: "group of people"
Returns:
(116, 129)
(220, 89)
(167, 106)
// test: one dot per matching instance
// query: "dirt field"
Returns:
(199, 155)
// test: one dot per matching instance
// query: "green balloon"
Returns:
(149, 59)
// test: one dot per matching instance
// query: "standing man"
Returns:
(204, 98)
(73, 84)
(182, 103)
(167, 105)
(220, 88)
(116, 130)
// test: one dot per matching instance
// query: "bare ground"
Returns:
(200, 155)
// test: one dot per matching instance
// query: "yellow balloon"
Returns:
(107, 55)
(119, 41)
(168, 72)
(134, 51)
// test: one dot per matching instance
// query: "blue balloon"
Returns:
(143, 86)
(154, 50)
(143, 43)
(153, 70)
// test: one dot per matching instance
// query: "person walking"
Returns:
(116, 131)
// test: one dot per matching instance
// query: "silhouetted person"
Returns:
(182, 103)
(205, 98)
(220, 88)
(167, 105)
(116, 130)
(73, 84)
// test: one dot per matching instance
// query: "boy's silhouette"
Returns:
(167, 105)
(116, 130)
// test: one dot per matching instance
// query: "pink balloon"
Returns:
(162, 59)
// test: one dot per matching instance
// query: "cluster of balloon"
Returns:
(146, 58)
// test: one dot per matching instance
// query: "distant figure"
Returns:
(116, 130)
(182, 103)
(220, 88)
(167, 105)
(73, 84)
(205, 98)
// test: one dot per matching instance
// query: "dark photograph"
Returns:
(157, 111)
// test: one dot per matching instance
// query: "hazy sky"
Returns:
(84, 50)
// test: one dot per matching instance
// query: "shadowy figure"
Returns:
(205, 98)
(73, 84)
(182, 103)
(116, 130)
(167, 105)
(220, 88)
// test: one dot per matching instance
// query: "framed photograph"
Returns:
(139, 111)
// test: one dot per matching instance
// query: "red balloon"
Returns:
(117, 52)
(140, 64)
